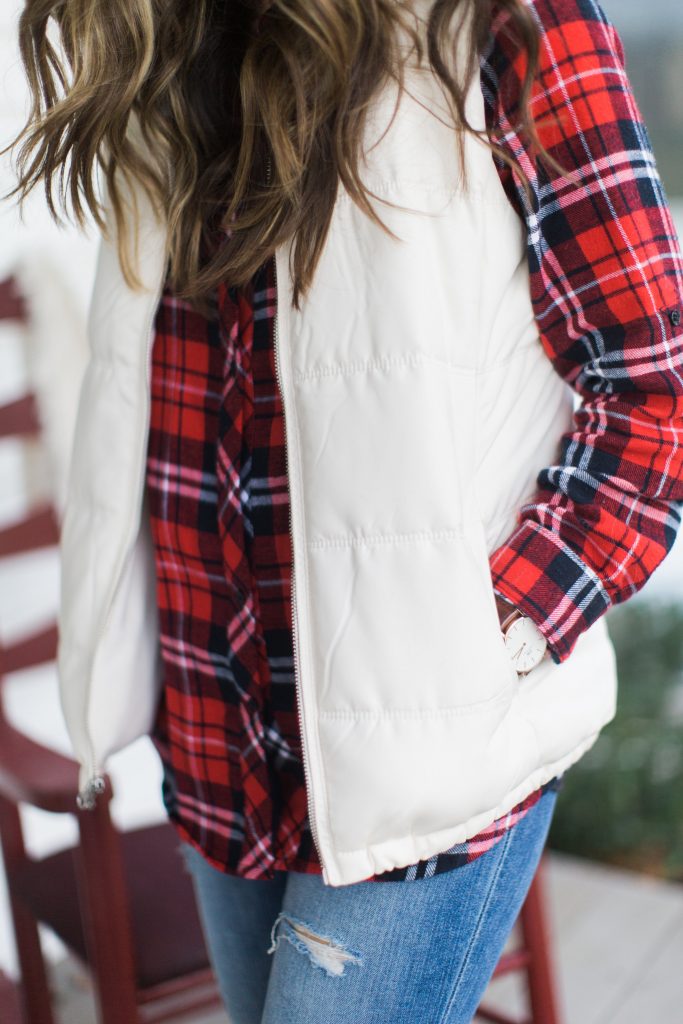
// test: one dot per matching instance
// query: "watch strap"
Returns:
(513, 614)
(516, 613)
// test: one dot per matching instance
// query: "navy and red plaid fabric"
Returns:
(227, 729)
(605, 270)
(607, 291)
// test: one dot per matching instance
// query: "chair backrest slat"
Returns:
(38, 529)
(19, 418)
(39, 648)
(12, 302)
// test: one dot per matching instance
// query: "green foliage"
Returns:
(622, 803)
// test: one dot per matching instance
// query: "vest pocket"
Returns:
(475, 536)
(405, 625)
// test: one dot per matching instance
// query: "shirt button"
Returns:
(675, 317)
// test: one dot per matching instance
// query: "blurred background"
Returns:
(616, 860)
(623, 803)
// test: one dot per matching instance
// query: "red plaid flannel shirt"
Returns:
(607, 292)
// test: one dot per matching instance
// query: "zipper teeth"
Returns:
(87, 795)
(295, 647)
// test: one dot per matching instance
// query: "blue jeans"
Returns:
(294, 951)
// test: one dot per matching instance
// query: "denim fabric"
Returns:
(294, 951)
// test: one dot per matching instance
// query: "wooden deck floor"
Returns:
(618, 938)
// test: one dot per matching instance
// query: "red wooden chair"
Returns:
(10, 1007)
(122, 902)
(533, 956)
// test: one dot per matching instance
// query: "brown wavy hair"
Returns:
(238, 115)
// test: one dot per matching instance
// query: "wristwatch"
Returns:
(524, 641)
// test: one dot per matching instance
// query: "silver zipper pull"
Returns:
(87, 797)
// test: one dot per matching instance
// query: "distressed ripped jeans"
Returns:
(295, 951)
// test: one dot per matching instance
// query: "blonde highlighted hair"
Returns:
(247, 113)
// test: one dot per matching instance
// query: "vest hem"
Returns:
(346, 867)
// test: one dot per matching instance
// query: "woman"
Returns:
(377, 396)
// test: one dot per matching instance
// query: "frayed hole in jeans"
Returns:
(322, 951)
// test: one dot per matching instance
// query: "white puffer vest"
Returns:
(419, 408)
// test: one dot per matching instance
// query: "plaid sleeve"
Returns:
(606, 281)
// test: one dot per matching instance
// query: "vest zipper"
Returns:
(295, 651)
(94, 784)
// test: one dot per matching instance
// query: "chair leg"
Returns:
(106, 919)
(533, 921)
(34, 988)
(10, 1001)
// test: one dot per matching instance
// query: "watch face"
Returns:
(525, 644)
